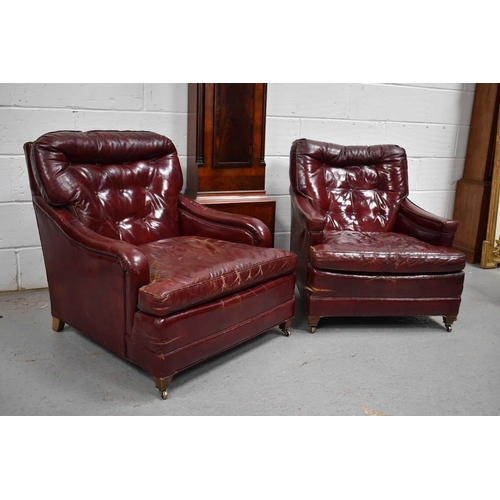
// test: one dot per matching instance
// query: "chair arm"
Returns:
(130, 257)
(93, 280)
(198, 220)
(306, 214)
(306, 231)
(414, 221)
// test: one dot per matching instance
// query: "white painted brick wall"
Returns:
(431, 121)
(8, 270)
(398, 103)
(111, 96)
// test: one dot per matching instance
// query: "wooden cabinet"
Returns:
(226, 144)
(472, 199)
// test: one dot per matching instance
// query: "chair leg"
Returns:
(313, 322)
(448, 321)
(162, 385)
(284, 327)
(57, 324)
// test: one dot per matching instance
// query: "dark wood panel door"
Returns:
(233, 125)
(229, 122)
(226, 144)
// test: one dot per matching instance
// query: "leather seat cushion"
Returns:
(383, 252)
(189, 270)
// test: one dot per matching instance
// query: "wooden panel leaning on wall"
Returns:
(474, 189)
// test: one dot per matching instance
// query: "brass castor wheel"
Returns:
(313, 322)
(284, 327)
(162, 384)
(448, 320)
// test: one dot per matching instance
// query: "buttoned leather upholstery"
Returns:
(361, 243)
(127, 254)
(129, 192)
(354, 188)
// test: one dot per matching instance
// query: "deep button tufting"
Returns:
(387, 261)
(340, 180)
(149, 163)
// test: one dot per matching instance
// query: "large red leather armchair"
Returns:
(146, 272)
(364, 249)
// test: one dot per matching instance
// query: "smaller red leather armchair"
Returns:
(364, 249)
(153, 276)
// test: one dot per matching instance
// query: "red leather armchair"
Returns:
(148, 273)
(364, 249)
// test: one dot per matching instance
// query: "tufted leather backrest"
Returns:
(357, 188)
(124, 185)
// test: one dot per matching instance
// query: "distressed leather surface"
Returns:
(357, 188)
(163, 335)
(122, 185)
(414, 221)
(383, 252)
(103, 197)
(93, 280)
(198, 220)
(190, 270)
(327, 283)
(363, 248)
(168, 364)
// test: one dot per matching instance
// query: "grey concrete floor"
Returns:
(350, 366)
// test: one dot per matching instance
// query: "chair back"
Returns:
(356, 188)
(123, 185)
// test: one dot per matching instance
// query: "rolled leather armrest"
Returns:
(93, 280)
(306, 231)
(198, 220)
(414, 221)
(130, 257)
(307, 216)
